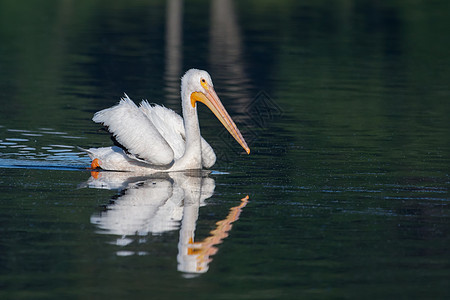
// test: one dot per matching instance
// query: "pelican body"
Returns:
(152, 138)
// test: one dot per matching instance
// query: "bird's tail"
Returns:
(89, 152)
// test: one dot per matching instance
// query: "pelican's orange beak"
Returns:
(211, 100)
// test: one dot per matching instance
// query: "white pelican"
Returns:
(152, 138)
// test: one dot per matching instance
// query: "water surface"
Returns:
(344, 195)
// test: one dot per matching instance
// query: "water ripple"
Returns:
(40, 148)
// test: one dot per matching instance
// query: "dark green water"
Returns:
(345, 106)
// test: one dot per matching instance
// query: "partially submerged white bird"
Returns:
(152, 138)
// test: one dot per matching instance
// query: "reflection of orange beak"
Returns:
(211, 100)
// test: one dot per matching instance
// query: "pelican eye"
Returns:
(203, 83)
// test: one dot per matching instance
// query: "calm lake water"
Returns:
(345, 107)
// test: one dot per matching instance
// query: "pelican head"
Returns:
(196, 85)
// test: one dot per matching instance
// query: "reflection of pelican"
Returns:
(194, 257)
(154, 138)
(158, 204)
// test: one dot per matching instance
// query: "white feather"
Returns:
(135, 132)
(208, 155)
(170, 125)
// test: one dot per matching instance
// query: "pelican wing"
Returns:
(168, 123)
(171, 126)
(135, 131)
(208, 155)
